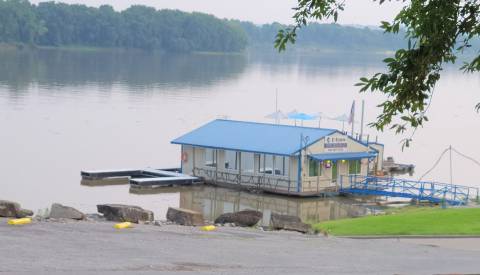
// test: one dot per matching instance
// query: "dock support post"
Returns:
(216, 166)
(239, 168)
(193, 160)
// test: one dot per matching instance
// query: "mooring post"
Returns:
(216, 166)
(455, 193)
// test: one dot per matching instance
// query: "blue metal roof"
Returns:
(252, 137)
(345, 156)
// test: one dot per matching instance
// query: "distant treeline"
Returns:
(58, 24)
(141, 27)
(326, 36)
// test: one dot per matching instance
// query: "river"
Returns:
(63, 111)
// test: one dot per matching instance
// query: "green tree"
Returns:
(18, 22)
(437, 31)
(140, 27)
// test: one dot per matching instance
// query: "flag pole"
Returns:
(352, 117)
(361, 125)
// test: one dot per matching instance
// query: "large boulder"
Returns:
(59, 211)
(241, 218)
(291, 223)
(10, 209)
(124, 213)
(184, 216)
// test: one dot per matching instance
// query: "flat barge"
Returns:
(143, 177)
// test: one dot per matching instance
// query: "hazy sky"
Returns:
(363, 12)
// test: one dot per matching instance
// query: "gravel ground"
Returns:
(97, 248)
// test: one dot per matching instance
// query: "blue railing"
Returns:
(420, 190)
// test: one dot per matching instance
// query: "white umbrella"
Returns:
(277, 116)
(343, 118)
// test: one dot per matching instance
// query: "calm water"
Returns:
(61, 112)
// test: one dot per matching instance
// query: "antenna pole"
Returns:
(276, 107)
(451, 175)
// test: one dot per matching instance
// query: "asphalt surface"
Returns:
(98, 248)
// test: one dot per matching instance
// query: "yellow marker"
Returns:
(123, 225)
(20, 221)
(208, 228)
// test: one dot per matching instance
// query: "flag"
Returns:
(351, 118)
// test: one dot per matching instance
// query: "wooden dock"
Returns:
(143, 177)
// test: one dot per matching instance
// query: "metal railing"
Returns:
(257, 181)
(421, 190)
(268, 182)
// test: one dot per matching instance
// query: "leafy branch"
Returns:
(436, 31)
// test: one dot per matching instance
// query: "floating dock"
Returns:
(143, 177)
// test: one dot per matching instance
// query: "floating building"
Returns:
(275, 158)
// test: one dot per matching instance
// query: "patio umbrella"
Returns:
(343, 118)
(319, 115)
(300, 116)
(277, 116)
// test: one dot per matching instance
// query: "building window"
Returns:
(247, 161)
(313, 170)
(231, 160)
(210, 157)
(354, 166)
(281, 165)
(266, 164)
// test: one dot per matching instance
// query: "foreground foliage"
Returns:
(436, 30)
(418, 221)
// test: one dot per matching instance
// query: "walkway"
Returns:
(420, 190)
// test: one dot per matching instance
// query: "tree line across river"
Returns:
(142, 27)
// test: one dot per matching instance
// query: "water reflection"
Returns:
(137, 70)
(213, 201)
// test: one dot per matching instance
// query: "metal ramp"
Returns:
(420, 190)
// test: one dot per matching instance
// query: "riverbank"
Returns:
(89, 247)
(421, 221)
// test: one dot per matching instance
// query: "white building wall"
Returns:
(379, 159)
(326, 179)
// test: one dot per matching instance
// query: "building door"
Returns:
(343, 168)
(334, 171)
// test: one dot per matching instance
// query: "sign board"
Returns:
(335, 144)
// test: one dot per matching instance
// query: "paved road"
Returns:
(96, 248)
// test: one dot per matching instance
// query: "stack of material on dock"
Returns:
(391, 167)
(143, 177)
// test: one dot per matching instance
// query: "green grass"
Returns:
(417, 221)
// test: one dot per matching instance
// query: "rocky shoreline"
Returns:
(94, 246)
(137, 215)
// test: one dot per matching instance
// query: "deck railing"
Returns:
(267, 182)
(421, 190)
(249, 180)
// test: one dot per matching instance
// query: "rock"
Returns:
(184, 216)
(95, 217)
(241, 218)
(291, 223)
(59, 211)
(10, 209)
(124, 213)
(22, 213)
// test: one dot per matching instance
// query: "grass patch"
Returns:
(409, 221)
